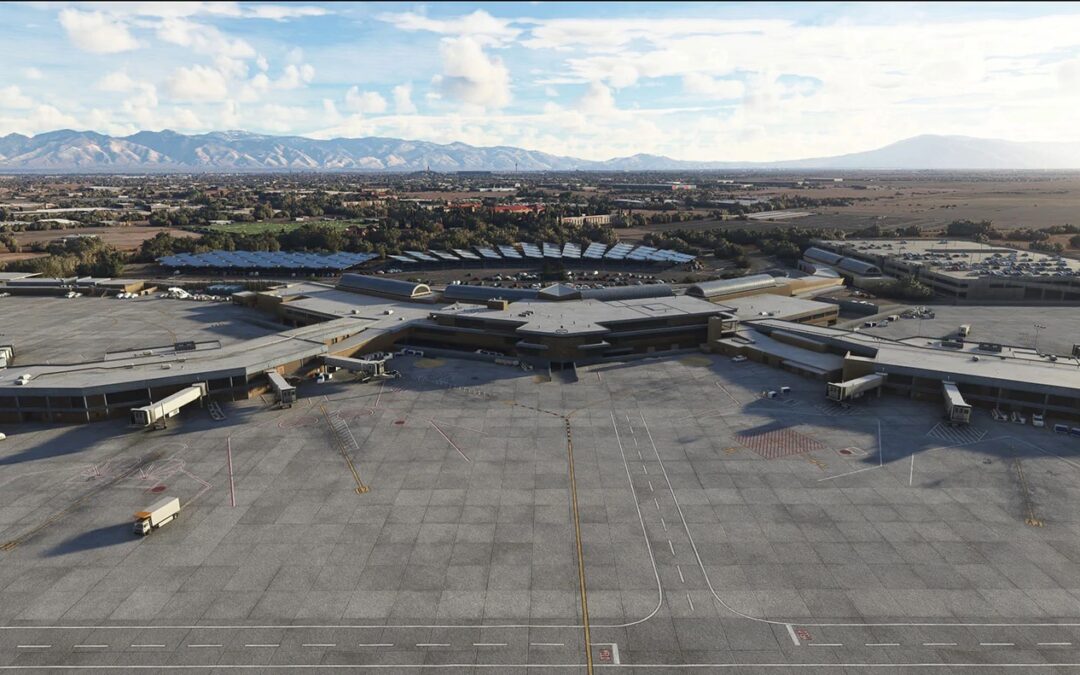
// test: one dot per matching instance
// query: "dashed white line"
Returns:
(203, 646)
(826, 644)
(264, 645)
(690, 601)
(681, 577)
(1054, 644)
(664, 524)
(646, 471)
(997, 644)
(654, 501)
(882, 644)
(939, 644)
(33, 646)
(489, 644)
(672, 547)
(546, 644)
(375, 644)
(319, 644)
(432, 644)
(89, 646)
(152, 646)
(650, 486)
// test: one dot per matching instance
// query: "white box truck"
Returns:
(164, 511)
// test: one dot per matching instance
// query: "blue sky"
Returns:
(721, 81)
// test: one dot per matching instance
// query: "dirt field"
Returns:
(15, 257)
(123, 238)
(933, 202)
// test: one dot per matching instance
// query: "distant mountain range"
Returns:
(240, 151)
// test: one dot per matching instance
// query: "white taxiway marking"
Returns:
(656, 503)
(650, 487)
(681, 577)
(646, 471)
(432, 644)
(997, 644)
(664, 524)
(826, 644)
(153, 646)
(89, 646)
(263, 645)
(1054, 644)
(319, 644)
(546, 644)
(489, 644)
(939, 644)
(34, 646)
(794, 637)
(203, 646)
(882, 644)
(690, 601)
(672, 547)
(375, 644)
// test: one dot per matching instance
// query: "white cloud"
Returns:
(705, 85)
(364, 102)
(12, 97)
(32, 73)
(280, 118)
(480, 26)
(283, 12)
(96, 32)
(294, 76)
(117, 81)
(198, 83)
(471, 76)
(403, 104)
(203, 39)
(597, 100)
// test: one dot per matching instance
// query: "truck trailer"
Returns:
(286, 393)
(957, 410)
(842, 391)
(167, 407)
(164, 511)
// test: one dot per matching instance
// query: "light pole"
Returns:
(1038, 327)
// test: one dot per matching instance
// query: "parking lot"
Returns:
(661, 512)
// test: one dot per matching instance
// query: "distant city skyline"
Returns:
(751, 82)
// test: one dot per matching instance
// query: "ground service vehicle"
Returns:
(964, 330)
(164, 511)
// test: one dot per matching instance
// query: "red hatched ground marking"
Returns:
(775, 443)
